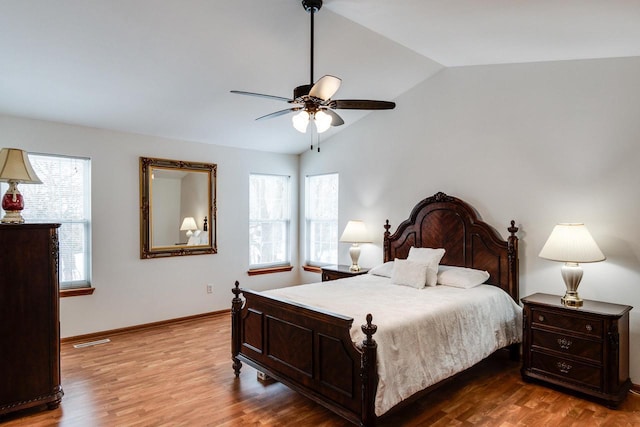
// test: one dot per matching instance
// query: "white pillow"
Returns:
(409, 273)
(384, 270)
(430, 257)
(461, 277)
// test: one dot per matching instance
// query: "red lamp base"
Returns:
(13, 204)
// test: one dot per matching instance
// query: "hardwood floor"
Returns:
(181, 375)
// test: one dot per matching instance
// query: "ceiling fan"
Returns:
(313, 102)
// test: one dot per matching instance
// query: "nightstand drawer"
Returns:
(568, 344)
(327, 276)
(566, 369)
(565, 321)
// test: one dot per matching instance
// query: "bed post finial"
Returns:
(236, 333)
(513, 229)
(385, 244)
(513, 239)
(369, 329)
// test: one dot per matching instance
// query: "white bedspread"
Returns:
(424, 335)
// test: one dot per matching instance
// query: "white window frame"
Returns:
(284, 219)
(32, 189)
(312, 220)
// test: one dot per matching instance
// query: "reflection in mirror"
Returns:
(178, 208)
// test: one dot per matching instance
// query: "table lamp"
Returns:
(15, 168)
(355, 232)
(188, 225)
(572, 244)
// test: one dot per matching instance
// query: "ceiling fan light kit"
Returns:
(321, 120)
(312, 102)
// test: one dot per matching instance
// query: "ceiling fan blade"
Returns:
(277, 113)
(362, 104)
(336, 120)
(262, 95)
(325, 88)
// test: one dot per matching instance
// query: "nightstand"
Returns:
(582, 349)
(333, 272)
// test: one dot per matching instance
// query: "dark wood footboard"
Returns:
(308, 350)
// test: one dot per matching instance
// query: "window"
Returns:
(322, 220)
(269, 221)
(63, 197)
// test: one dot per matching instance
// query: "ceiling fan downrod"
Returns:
(311, 6)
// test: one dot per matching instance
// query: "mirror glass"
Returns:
(177, 208)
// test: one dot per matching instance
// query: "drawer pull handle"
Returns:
(588, 327)
(564, 367)
(564, 343)
(541, 318)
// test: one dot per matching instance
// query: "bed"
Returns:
(317, 352)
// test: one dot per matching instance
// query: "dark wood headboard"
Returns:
(442, 221)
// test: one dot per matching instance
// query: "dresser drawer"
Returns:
(567, 369)
(565, 321)
(568, 344)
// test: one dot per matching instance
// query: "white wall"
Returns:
(539, 143)
(130, 291)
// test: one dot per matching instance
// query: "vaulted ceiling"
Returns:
(165, 67)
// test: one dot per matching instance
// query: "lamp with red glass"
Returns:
(15, 168)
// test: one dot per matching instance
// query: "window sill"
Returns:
(269, 270)
(312, 268)
(76, 292)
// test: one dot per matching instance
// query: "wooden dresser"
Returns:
(583, 349)
(29, 317)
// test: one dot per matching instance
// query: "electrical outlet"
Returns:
(209, 289)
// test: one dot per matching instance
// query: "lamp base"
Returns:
(571, 300)
(12, 217)
(572, 274)
(354, 253)
(13, 204)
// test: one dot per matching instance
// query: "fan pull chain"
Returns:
(317, 141)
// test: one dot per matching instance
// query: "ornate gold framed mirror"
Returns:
(177, 208)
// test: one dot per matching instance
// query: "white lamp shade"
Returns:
(322, 121)
(355, 232)
(189, 223)
(15, 166)
(571, 243)
(301, 121)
